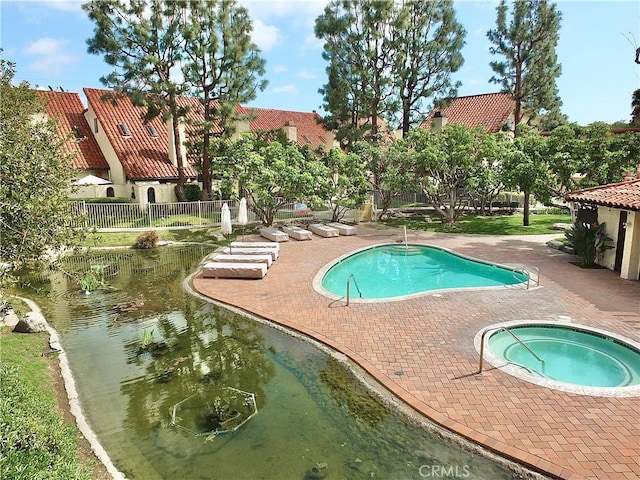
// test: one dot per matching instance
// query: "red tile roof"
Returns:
(67, 110)
(625, 195)
(490, 110)
(143, 157)
(309, 130)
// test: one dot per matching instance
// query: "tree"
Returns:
(485, 180)
(358, 50)
(36, 178)
(427, 41)
(270, 175)
(529, 68)
(222, 65)
(442, 163)
(344, 185)
(527, 168)
(635, 106)
(142, 40)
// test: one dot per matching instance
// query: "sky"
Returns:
(47, 42)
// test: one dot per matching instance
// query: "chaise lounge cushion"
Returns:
(251, 251)
(273, 245)
(234, 270)
(274, 234)
(343, 229)
(298, 233)
(238, 258)
(323, 230)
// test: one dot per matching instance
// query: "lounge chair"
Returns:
(323, 230)
(273, 234)
(298, 233)
(237, 258)
(234, 270)
(251, 251)
(273, 245)
(343, 229)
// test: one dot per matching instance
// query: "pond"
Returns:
(133, 365)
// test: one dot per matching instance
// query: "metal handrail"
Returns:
(526, 270)
(349, 278)
(515, 338)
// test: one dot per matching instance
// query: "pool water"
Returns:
(312, 411)
(388, 271)
(570, 355)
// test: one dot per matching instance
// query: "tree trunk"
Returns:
(525, 217)
(206, 141)
(179, 160)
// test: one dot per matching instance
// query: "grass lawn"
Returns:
(36, 442)
(493, 225)
(119, 239)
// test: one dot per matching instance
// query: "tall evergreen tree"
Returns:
(635, 108)
(427, 41)
(36, 178)
(222, 65)
(358, 49)
(529, 66)
(142, 40)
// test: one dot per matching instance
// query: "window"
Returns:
(95, 125)
(124, 129)
(306, 137)
(151, 130)
(110, 192)
(77, 131)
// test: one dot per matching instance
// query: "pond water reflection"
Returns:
(315, 419)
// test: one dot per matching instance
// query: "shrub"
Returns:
(106, 200)
(589, 241)
(193, 192)
(147, 240)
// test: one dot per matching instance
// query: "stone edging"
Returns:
(72, 395)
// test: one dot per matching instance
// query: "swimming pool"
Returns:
(567, 357)
(392, 271)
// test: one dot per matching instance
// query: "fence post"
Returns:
(200, 212)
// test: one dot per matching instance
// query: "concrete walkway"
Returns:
(430, 340)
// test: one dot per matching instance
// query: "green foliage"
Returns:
(386, 58)
(223, 67)
(635, 108)
(271, 175)
(344, 184)
(589, 241)
(107, 200)
(193, 192)
(35, 442)
(146, 241)
(36, 176)
(527, 168)
(442, 163)
(529, 66)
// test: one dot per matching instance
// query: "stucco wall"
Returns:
(611, 217)
(116, 172)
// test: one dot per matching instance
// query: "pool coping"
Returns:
(519, 372)
(317, 280)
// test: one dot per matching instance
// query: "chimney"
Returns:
(291, 131)
(439, 121)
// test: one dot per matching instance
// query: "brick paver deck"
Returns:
(430, 339)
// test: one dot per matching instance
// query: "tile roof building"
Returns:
(618, 207)
(303, 128)
(492, 111)
(68, 111)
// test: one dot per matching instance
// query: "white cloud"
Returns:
(267, 9)
(46, 46)
(289, 88)
(52, 64)
(65, 5)
(265, 36)
(280, 68)
(306, 75)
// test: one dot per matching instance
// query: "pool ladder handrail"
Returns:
(527, 271)
(505, 329)
(349, 278)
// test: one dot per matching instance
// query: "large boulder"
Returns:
(32, 322)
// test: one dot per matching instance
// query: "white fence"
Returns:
(117, 216)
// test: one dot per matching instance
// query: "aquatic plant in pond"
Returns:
(314, 417)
